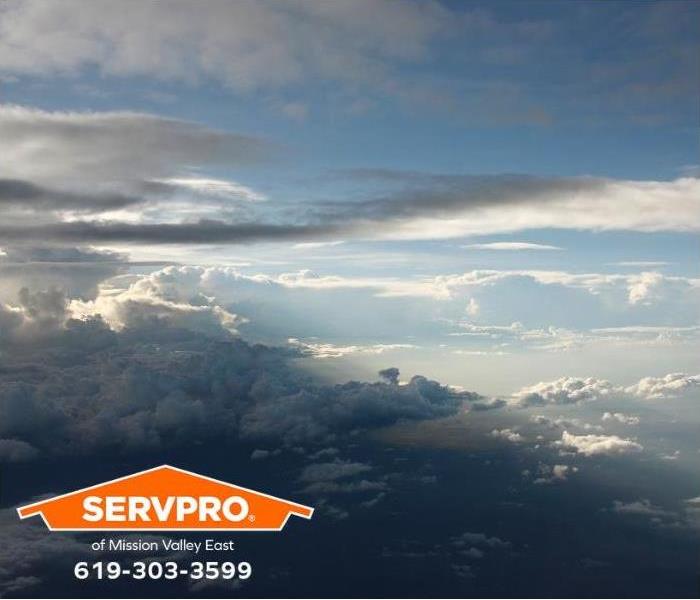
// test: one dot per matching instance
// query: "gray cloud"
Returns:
(446, 194)
(24, 195)
(330, 471)
(245, 45)
(112, 163)
(202, 232)
(77, 271)
(72, 385)
(80, 148)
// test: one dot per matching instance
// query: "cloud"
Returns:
(646, 264)
(481, 540)
(20, 195)
(508, 435)
(26, 551)
(563, 423)
(315, 245)
(472, 308)
(390, 375)
(244, 45)
(639, 507)
(35, 316)
(668, 386)
(330, 471)
(171, 373)
(200, 232)
(156, 299)
(598, 445)
(553, 474)
(215, 187)
(565, 390)
(326, 350)
(429, 206)
(620, 418)
(66, 184)
(510, 246)
(72, 148)
(16, 451)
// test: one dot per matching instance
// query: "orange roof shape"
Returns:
(165, 498)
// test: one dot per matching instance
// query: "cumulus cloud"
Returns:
(565, 390)
(26, 550)
(165, 381)
(668, 386)
(324, 478)
(35, 315)
(574, 390)
(598, 445)
(563, 423)
(620, 418)
(508, 435)
(168, 297)
(547, 474)
(639, 507)
(390, 375)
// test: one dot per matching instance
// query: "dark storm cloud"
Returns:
(86, 387)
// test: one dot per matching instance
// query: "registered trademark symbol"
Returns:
(251, 518)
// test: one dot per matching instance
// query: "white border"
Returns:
(134, 529)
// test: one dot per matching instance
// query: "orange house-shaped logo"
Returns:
(165, 499)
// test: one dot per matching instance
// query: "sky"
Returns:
(498, 202)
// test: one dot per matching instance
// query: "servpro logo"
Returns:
(165, 499)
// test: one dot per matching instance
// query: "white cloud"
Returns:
(510, 246)
(472, 308)
(564, 423)
(602, 205)
(647, 264)
(171, 296)
(565, 390)
(645, 287)
(326, 350)
(594, 445)
(216, 187)
(314, 245)
(508, 435)
(553, 474)
(620, 418)
(657, 388)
